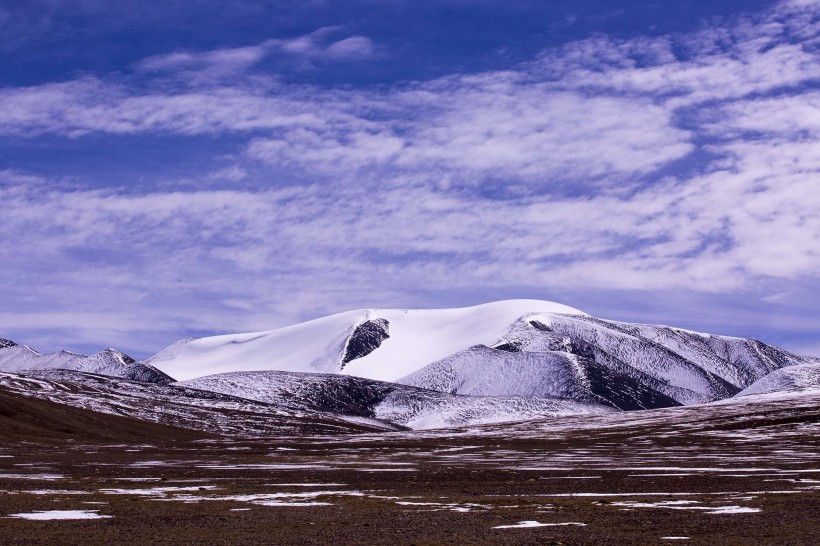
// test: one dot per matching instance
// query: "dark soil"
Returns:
(29, 419)
(633, 480)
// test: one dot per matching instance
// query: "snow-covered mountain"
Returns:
(409, 406)
(508, 348)
(14, 357)
(383, 368)
(382, 344)
(628, 366)
(800, 378)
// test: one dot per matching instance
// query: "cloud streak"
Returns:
(679, 163)
(322, 45)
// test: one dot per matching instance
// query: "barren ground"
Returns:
(735, 474)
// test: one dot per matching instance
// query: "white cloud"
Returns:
(233, 173)
(596, 109)
(322, 45)
(715, 232)
(732, 59)
(786, 116)
(353, 48)
(533, 132)
(607, 165)
(91, 105)
(207, 66)
(495, 125)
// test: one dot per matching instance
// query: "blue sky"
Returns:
(188, 168)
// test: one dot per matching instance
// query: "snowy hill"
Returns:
(400, 404)
(800, 378)
(629, 366)
(110, 362)
(484, 371)
(388, 369)
(382, 344)
(708, 364)
(508, 348)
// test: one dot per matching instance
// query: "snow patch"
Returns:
(59, 514)
(529, 523)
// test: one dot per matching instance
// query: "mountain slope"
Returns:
(110, 362)
(708, 364)
(210, 412)
(401, 404)
(800, 378)
(26, 419)
(688, 367)
(485, 371)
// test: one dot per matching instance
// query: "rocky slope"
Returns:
(400, 404)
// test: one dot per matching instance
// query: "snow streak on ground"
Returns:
(529, 523)
(60, 514)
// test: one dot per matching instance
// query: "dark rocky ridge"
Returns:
(366, 338)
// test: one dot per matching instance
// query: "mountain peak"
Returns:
(111, 362)
(114, 354)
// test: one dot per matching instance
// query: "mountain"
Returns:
(401, 404)
(388, 369)
(14, 357)
(524, 348)
(627, 366)
(485, 371)
(382, 344)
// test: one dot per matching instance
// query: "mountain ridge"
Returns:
(623, 365)
(506, 360)
(15, 357)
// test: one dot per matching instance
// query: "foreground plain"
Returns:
(740, 472)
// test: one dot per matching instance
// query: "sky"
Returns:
(191, 168)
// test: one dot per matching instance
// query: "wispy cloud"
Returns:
(686, 163)
(91, 105)
(212, 64)
(322, 248)
(322, 45)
